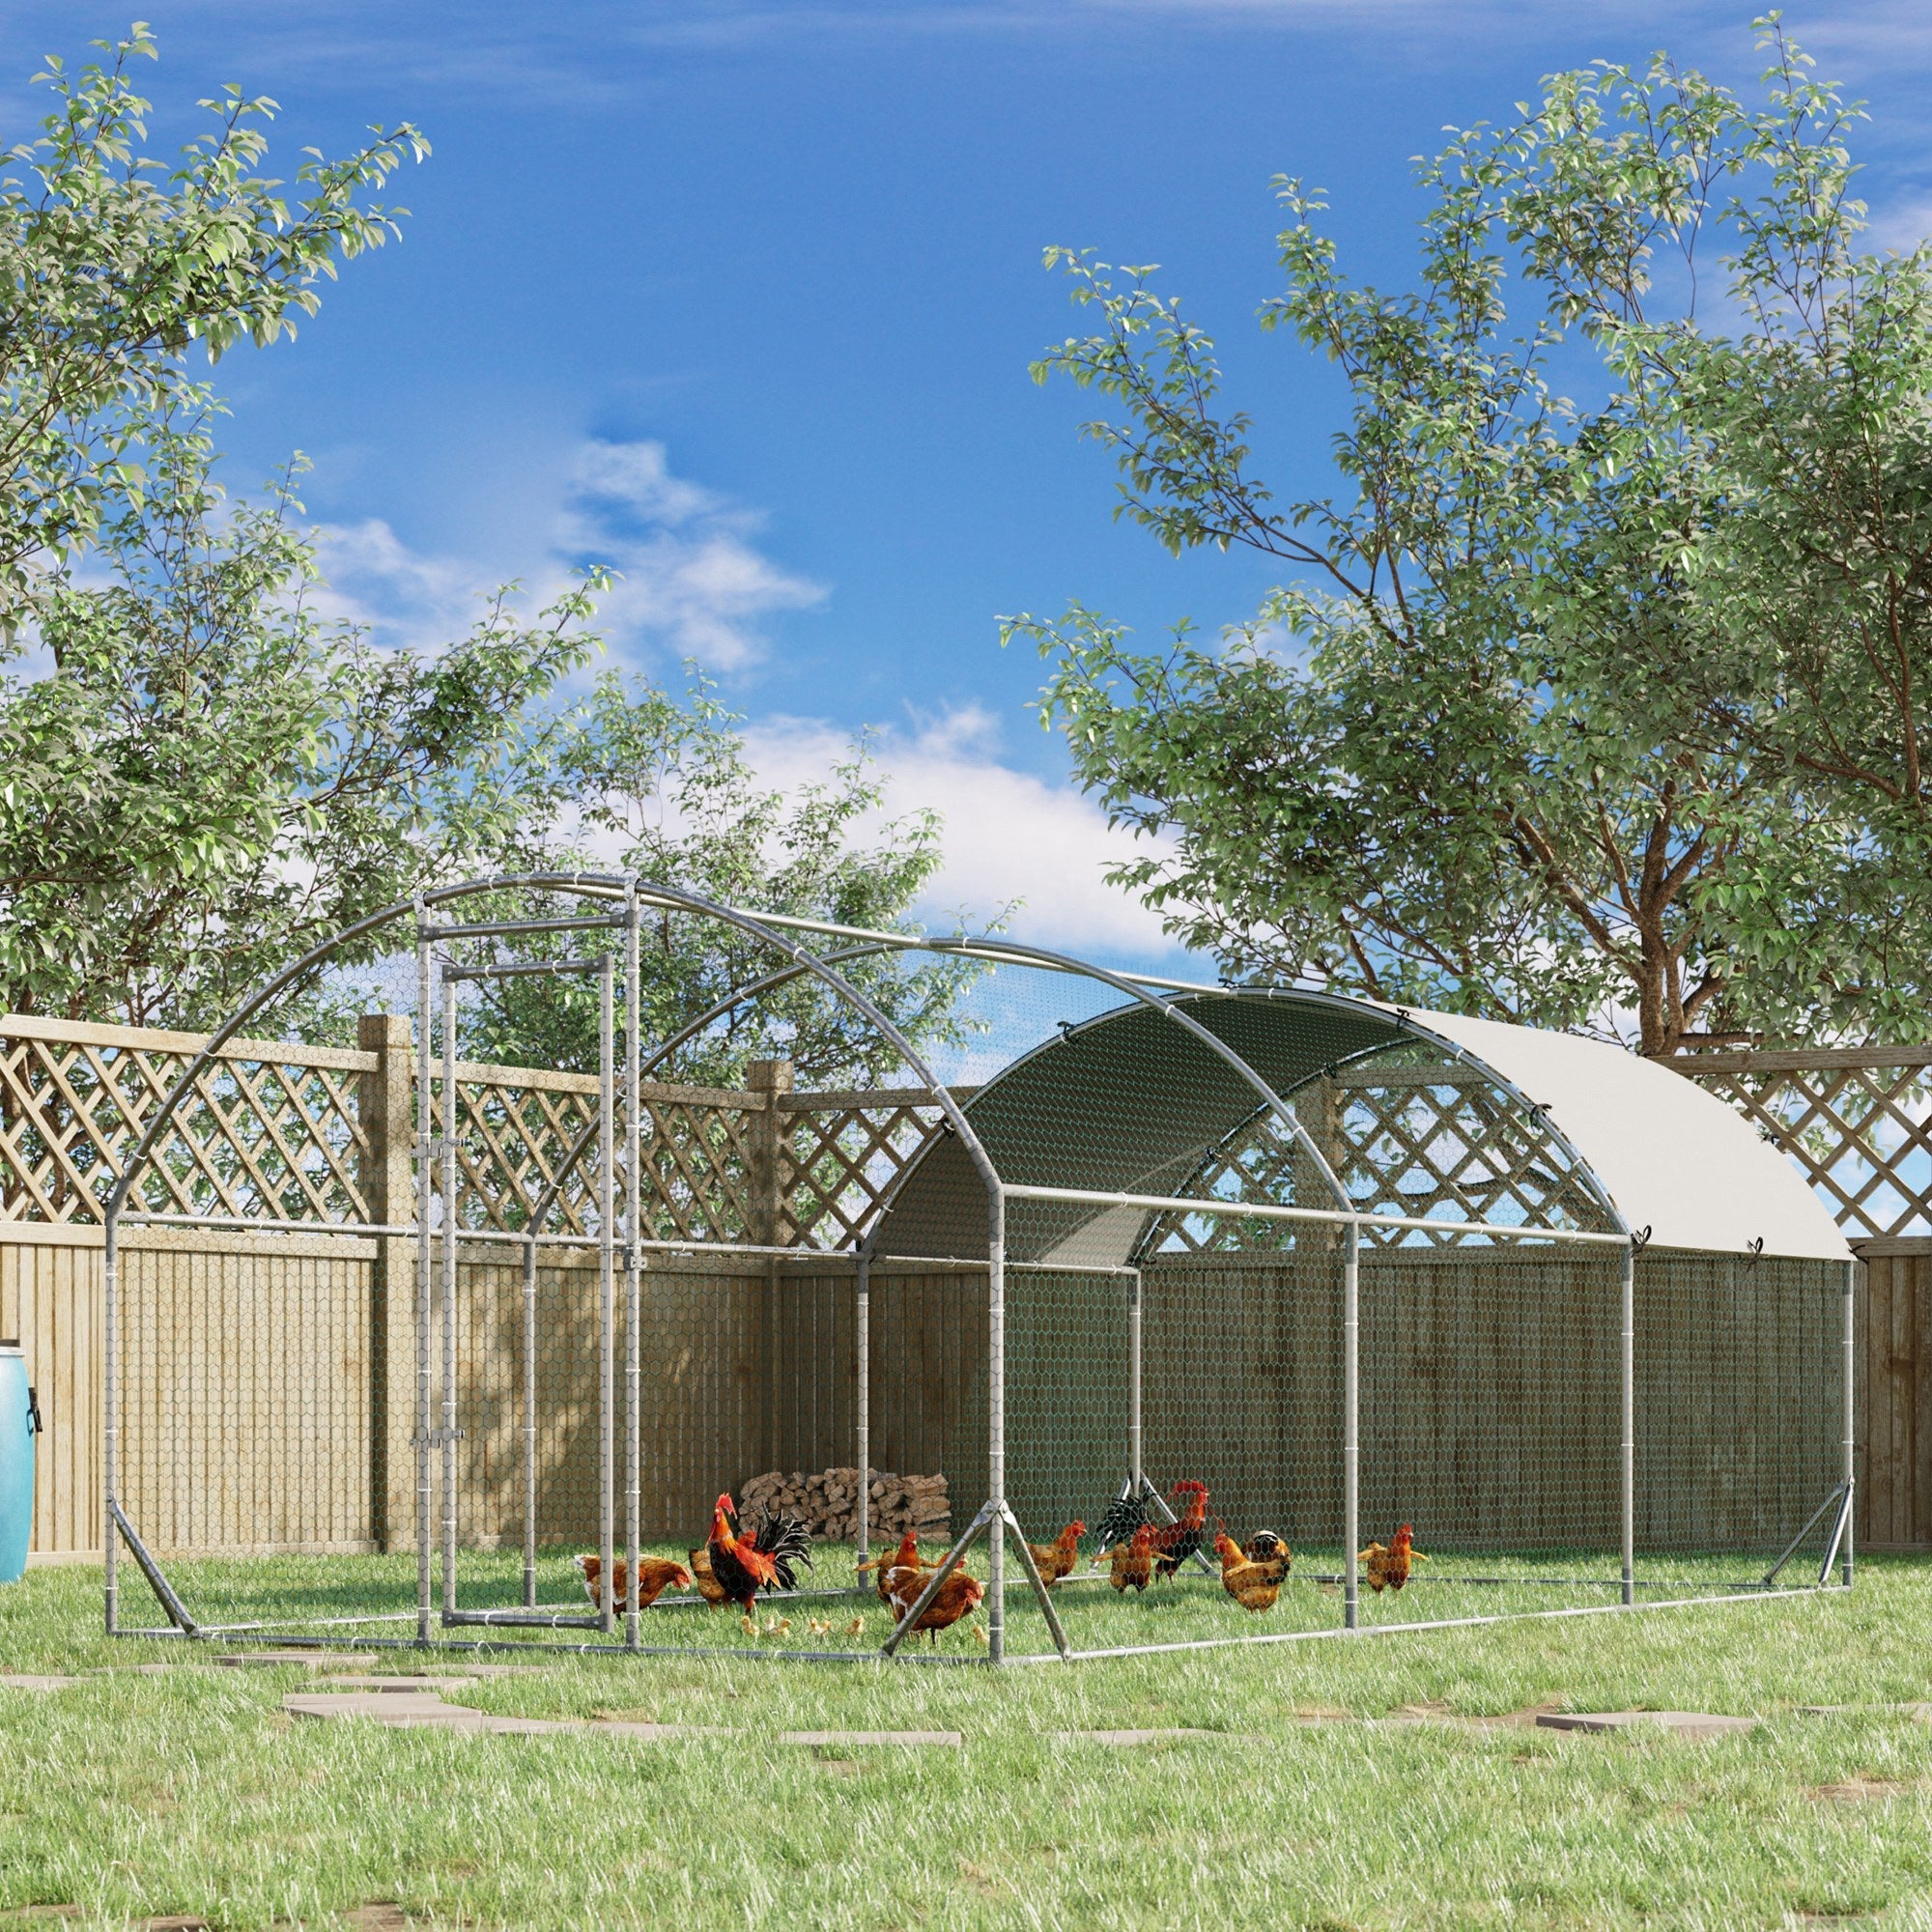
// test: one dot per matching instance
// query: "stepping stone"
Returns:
(945, 1740)
(379, 1915)
(414, 1708)
(24, 1681)
(391, 1686)
(1128, 1739)
(295, 1660)
(1921, 1712)
(1683, 1724)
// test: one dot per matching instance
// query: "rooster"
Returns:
(1388, 1563)
(1056, 1559)
(1175, 1543)
(1131, 1564)
(1253, 1583)
(655, 1575)
(956, 1598)
(742, 1566)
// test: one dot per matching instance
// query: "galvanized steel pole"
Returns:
(111, 1444)
(1851, 1421)
(634, 1262)
(606, 1299)
(449, 1227)
(1628, 1507)
(530, 1421)
(425, 1138)
(862, 1318)
(996, 1423)
(1135, 1460)
(1352, 1439)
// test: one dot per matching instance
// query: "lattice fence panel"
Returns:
(1424, 1141)
(265, 1132)
(840, 1154)
(1857, 1123)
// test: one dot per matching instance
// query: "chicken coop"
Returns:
(1110, 1263)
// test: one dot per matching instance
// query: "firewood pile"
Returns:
(828, 1504)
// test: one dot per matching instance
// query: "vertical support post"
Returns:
(996, 1423)
(450, 1223)
(531, 1422)
(387, 1179)
(110, 1421)
(764, 1206)
(634, 1258)
(1851, 1421)
(1136, 1472)
(1628, 1505)
(862, 1319)
(607, 1610)
(1352, 1439)
(425, 1141)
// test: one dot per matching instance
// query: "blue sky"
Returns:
(741, 298)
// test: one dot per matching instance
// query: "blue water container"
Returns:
(20, 1424)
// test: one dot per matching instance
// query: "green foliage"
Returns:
(208, 779)
(1568, 707)
(643, 782)
(112, 264)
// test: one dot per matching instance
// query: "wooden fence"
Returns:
(284, 1361)
(321, 1136)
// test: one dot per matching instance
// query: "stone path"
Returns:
(1682, 1724)
(416, 1703)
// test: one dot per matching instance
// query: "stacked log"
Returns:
(827, 1502)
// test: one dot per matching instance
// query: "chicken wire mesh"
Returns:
(816, 1291)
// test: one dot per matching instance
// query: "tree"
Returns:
(664, 789)
(209, 781)
(1531, 733)
(112, 267)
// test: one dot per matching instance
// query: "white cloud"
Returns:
(693, 581)
(1008, 834)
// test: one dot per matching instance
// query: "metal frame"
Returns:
(437, 1303)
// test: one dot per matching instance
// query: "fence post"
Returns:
(384, 1103)
(765, 1216)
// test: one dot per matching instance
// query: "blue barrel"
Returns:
(20, 1424)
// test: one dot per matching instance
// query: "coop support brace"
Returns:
(157, 1578)
(450, 1226)
(607, 1459)
(1628, 1506)
(1039, 1582)
(989, 1513)
(996, 1419)
(530, 1421)
(1352, 1439)
(1137, 1475)
(425, 1134)
(862, 1403)
(634, 1260)
(1843, 1537)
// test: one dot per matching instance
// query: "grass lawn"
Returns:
(193, 1792)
